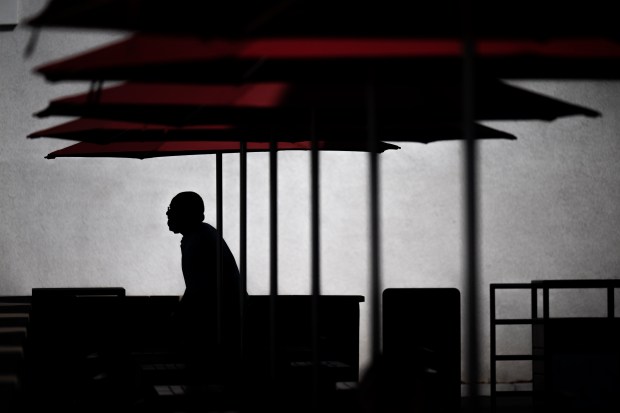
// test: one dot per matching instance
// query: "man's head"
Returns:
(185, 211)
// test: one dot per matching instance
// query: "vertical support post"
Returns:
(273, 277)
(534, 301)
(548, 378)
(316, 274)
(545, 289)
(375, 244)
(219, 245)
(471, 201)
(493, 348)
(243, 239)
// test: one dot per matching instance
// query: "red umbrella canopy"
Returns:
(159, 58)
(146, 149)
(271, 104)
(105, 131)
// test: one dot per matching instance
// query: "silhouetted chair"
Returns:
(421, 365)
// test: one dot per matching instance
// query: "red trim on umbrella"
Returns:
(82, 125)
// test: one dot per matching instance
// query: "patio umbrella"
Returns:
(106, 131)
(155, 149)
(192, 59)
(278, 103)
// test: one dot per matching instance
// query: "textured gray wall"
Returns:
(549, 203)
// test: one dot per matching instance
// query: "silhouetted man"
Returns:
(208, 316)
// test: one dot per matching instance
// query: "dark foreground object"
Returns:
(99, 350)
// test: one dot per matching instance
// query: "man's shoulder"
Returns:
(207, 229)
(203, 233)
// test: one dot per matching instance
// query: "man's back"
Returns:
(208, 318)
(199, 261)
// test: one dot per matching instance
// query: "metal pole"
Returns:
(273, 285)
(375, 244)
(471, 202)
(316, 275)
(243, 215)
(219, 247)
(493, 349)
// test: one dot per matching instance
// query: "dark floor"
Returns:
(515, 404)
(524, 404)
(60, 375)
(217, 398)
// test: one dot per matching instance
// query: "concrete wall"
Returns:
(549, 203)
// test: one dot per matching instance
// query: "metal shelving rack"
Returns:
(538, 353)
(508, 321)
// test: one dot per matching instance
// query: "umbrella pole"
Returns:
(471, 203)
(219, 249)
(243, 189)
(375, 276)
(273, 274)
(316, 274)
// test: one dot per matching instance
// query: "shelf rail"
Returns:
(535, 286)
